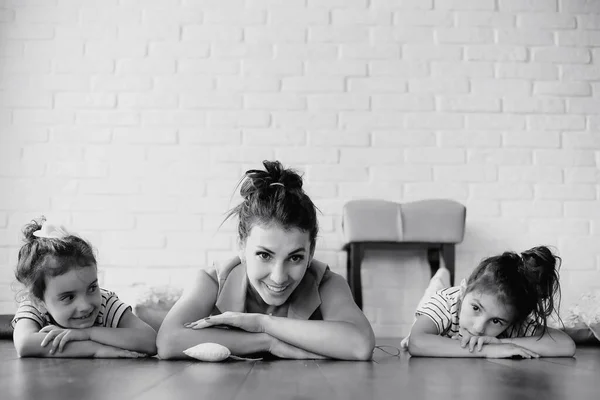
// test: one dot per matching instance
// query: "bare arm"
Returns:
(554, 343)
(344, 333)
(27, 340)
(132, 334)
(196, 303)
(425, 341)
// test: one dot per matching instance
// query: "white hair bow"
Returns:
(50, 231)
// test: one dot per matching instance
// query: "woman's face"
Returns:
(276, 260)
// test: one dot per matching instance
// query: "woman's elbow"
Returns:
(364, 350)
(166, 345)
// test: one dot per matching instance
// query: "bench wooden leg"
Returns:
(448, 253)
(433, 257)
(355, 256)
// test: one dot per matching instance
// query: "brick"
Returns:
(502, 87)
(84, 100)
(145, 135)
(338, 138)
(462, 69)
(565, 157)
(402, 34)
(148, 32)
(500, 156)
(240, 154)
(531, 37)
(468, 103)
(171, 15)
(371, 119)
(28, 31)
(168, 222)
(18, 168)
(304, 17)
(305, 52)
(495, 53)
(531, 209)
(556, 122)
(376, 84)
(211, 33)
(591, 21)
(533, 105)
(423, 18)
(26, 98)
(403, 138)
(210, 100)
(307, 155)
(434, 121)
(485, 208)
(269, 68)
(275, 34)
(370, 51)
(580, 73)
(264, 137)
(485, 19)
(321, 191)
(374, 16)
(583, 106)
(237, 84)
(312, 84)
(21, 66)
(74, 169)
(112, 117)
(582, 175)
(180, 83)
(243, 51)
(163, 154)
(425, 155)
(465, 5)
(528, 5)
(550, 20)
(527, 71)
(370, 156)
(554, 88)
(111, 83)
(438, 86)
(562, 55)
(337, 173)
(402, 173)
(112, 49)
(495, 121)
(338, 102)
(243, 118)
(12, 49)
(304, 119)
(190, 240)
(23, 201)
(170, 49)
(371, 190)
(59, 49)
(209, 67)
(464, 35)
(400, 69)
(96, 31)
(501, 191)
(19, 136)
(146, 66)
(52, 152)
(336, 68)
(43, 117)
(173, 118)
(532, 139)
(138, 101)
(80, 65)
(465, 173)
(537, 174)
(403, 4)
(559, 226)
(420, 191)
(565, 192)
(114, 186)
(581, 140)
(582, 209)
(338, 34)
(431, 52)
(409, 102)
(465, 139)
(241, 17)
(580, 6)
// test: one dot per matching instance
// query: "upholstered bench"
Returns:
(433, 225)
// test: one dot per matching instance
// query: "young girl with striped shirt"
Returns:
(65, 313)
(500, 312)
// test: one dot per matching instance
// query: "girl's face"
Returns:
(481, 314)
(73, 299)
(276, 260)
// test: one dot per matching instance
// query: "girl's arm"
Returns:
(344, 333)
(197, 302)
(132, 334)
(27, 340)
(425, 341)
(553, 343)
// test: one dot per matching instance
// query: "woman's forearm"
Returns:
(334, 339)
(134, 339)
(172, 342)
(554, 343)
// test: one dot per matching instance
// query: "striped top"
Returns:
(111, 311)
(444, 308)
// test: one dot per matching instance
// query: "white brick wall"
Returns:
(132, 121)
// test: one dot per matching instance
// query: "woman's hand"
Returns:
(245, 321)
(283, 350)
(60, 337)
(476, 342)
(105, 351)
(508, 350)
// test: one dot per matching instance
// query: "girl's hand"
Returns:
(60, 337)
(244, 321)
(508, 350)
(477, 342)
(115, 352)
(283, 350)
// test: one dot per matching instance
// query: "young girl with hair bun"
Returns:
(273, 296)
(500, 312)
(64, 312)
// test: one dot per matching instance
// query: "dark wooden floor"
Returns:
(386, 377)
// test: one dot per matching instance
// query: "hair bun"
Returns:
(34, 226)
(273, 177)
(540, 265)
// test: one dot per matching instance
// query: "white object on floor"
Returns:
(213, 352)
